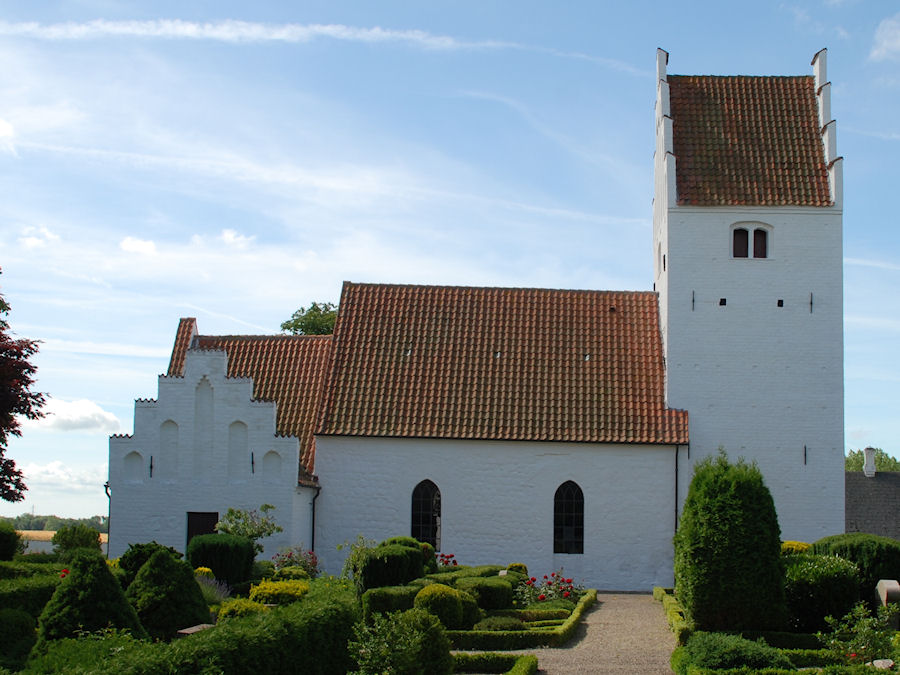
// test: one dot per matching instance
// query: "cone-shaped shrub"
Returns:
(88, 598)
(166, 596)
(137, 554)
(728, 573)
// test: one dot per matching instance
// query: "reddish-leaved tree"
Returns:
(16, 400)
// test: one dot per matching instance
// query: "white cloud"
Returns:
(37, 237)
(78, 415)
(235, 240)
(57, 476)
(102, 348)
(135, 245)
(887, 40)
(878, 264)
(7, 133)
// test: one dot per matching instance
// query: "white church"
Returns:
(557, 428)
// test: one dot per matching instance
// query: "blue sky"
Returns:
(235, 161)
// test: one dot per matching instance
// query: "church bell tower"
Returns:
(747, 246)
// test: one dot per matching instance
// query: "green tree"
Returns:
(17, 400)
(883, 462)
(317, 319)
(253, 525)
(728, 571)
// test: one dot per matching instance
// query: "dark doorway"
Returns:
(201, 522)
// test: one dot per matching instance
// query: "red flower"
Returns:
(534, 578)
(454, 562)
(566, 594)
(552, 574)
(545, 576)
(568, 581)
(542, 597)
(63, 573)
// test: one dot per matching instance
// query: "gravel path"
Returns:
(622, 633)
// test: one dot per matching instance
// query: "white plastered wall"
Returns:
(203, 461)
(497, 502)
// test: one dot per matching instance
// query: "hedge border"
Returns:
(524, 639)
(492, 662)
(675, 615)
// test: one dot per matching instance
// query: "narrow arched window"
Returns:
(426, 513)
(740, 245)
(568, 519)
(760, 243)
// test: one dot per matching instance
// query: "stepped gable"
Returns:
(500, 364)
(287, 369)
(747, 141)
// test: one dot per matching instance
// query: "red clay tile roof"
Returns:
(287, 369)
(499, 363)
(747, 141)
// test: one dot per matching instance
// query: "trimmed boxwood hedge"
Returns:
(388, 599)
(551, 637)
(229, 557)
(489, 592)
(311, 634)
(817, 586)
(30, 594)
(491, 662)
(877, 557)
(391, 565)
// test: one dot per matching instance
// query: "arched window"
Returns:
(426, 513)
(168, 450)
(760, 243)
(568, 519)
(740, 243)
(271, 466)
(133, 467)
(238, 451)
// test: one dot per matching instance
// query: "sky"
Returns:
(236, 161)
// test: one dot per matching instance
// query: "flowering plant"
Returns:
(552, 587)
(860, 637)
(297, 556)
(64, 573)
(446, 560)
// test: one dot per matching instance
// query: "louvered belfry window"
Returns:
(568, 519)
(426, 514)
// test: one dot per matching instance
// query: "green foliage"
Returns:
(229, 556)
(720, 650)
(728, 549)
(166, 596)
(137, 554)
(254, 524)
(817, 586)
(489, 592)
(20, 568)
(312, 634)
(500, 623)
(391, 565)
(520, 568)
(279, 592)
(405, 643)
(860, 637)
(388, 599)
(30, 521)
(492, 662)
(71, 537)
(855, 460)
(675, 616)
(317, 319)
(355, 560)
(287, 573)
(877, 557)
(86, 653)
(18, 630)
(442, 601)
(429, 557)
(237, 607)
(30, 594)
(262, 569)
(552, 587)
(10, 541)
(88, 598)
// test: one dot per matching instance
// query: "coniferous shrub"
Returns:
(817, 586)
(388, 599)
(9, 540)
(877, 557)
(455, 609)
(237, 607)
(279, 592)
(720, 651)
(87, 599)
(288, 573)
(229, 556)
(70, 537)
(30, 594)
(166, 596)
(137, 554)
(429, 561)
(728, 573)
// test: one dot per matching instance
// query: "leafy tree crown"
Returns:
(317, 319)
